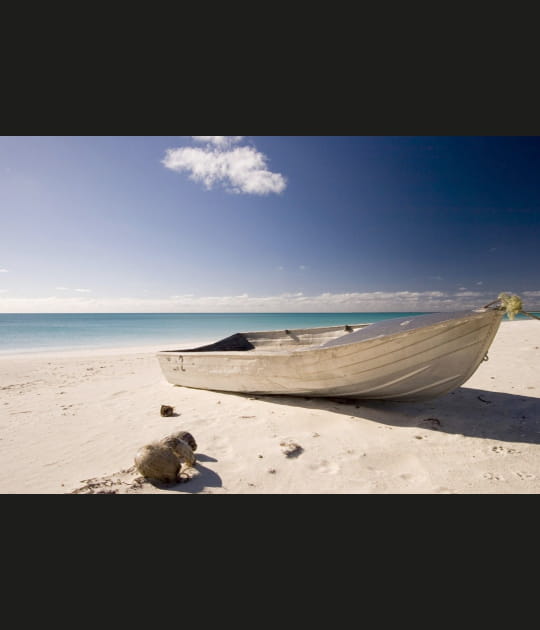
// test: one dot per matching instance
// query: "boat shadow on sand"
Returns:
(465, 411)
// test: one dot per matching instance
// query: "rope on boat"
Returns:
(512, 304)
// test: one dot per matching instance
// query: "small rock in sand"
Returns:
(291, 449)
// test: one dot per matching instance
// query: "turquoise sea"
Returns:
(20, 333)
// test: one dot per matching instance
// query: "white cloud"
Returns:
(241, 170)
(303, 267)
(62, 289)
(83, 290)
(219, 141)
(480, 283)
(374, 301)
(3, 270)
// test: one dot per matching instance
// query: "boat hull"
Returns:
(409, 365)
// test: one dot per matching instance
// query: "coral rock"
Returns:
(158, 462)
(187, 437)
(180, 448)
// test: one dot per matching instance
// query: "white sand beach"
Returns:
(72, 423)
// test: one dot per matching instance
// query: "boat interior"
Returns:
(277, 340)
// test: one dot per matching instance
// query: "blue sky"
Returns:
(267, 223)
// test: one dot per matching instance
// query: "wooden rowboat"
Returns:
(413, 358)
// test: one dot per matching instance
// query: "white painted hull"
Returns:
(410, 365)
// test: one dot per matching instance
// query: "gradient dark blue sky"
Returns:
(364, 223)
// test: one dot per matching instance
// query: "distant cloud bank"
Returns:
(375, 301)
(241, 170)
